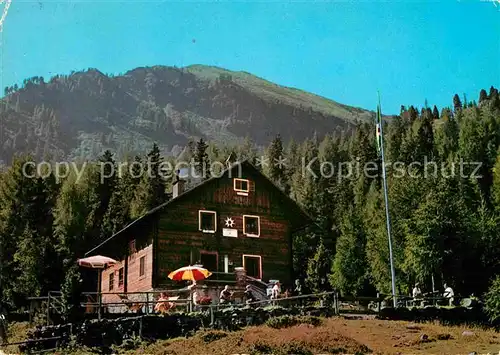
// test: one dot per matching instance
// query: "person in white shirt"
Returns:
(225, 295)
(448, 293)
(417, 293)
(276, 291)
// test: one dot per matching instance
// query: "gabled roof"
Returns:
(306, 221)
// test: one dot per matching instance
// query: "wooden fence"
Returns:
(144, 302)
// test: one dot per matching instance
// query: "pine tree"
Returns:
(36, 258)
(293, 162)
(436, 229)
(483, 96)
(118, 213)
(424, 138)
(304, 248)
(103, 182)
(377, 251)
(486, 234)
(394, 137)
(71, 213)
(446, 139)
(71, 289)
(17, 193)
(318, 269)
(349, 266)
(150, 192)
(435, 113)
(247, 151)
(457, 104)
(276, 167)
(202, 164)
(496, 183)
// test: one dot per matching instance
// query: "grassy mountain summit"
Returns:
(83, 113)
(272, 92)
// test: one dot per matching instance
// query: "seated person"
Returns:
(275, 293)
(250, 298)
(417, 295)
(196, 297)
(225, 295)
(298, 288)
(205, 299)
(449, 294)
(163, 306)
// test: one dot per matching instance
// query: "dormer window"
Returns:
(207, 221)
(241, 186)
(251, 226)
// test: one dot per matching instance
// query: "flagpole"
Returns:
(387, 215)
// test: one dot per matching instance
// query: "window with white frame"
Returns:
(241, 186)
(207, 221)
(251, 225)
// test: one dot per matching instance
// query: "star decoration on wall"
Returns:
(229, 222)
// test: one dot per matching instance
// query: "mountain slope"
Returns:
(290, 96)
(80, 114)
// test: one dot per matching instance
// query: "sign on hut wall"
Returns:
(229, 232)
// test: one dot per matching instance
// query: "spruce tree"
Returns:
(318, 269)
(457, 104)
(276, 169)
(496, 183)
(483, 96)
(18, 215)
(435, 113)
(202, 163)
(150, 192)
(104, 177)
(118, 213)
(348, 274)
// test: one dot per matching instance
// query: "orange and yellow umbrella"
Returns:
(191, 273)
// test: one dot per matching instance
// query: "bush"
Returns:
(290, 321)
(492, 300)
(295, 348)
(260, 348)
(211, 336)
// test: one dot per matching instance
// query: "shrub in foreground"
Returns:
(290, 321)
(492, 300)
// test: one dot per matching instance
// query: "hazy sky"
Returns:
(410, 51)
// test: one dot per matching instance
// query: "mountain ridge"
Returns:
(85, 112)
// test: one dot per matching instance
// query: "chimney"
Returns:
(231, 159)
(178, 185)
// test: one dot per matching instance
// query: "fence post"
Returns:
(48, 309)
(212, 316)
(140, 327)
(100, 306)
(31, 312)
(147, 302)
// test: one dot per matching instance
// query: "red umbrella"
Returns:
(191, 273)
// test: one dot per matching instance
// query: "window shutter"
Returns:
(251, 186)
